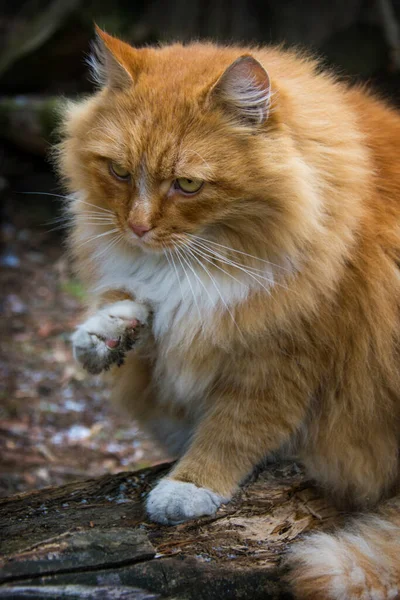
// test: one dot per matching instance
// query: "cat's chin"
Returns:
(147, 246)
(151, 245)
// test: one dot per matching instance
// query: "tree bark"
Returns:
(91, 540)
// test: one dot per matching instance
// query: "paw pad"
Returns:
(106, 337)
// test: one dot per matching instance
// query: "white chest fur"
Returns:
(186, 297)
(185, 301)
(183, 295)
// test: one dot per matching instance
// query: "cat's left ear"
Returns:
(244, 89)
(112, 61)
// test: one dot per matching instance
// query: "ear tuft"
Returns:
(245, 90)
(107, 59)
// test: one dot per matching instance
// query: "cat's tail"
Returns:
(358, 562)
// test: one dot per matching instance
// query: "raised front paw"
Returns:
(172, 502)
(105, 337)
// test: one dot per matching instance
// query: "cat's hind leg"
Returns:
(356, 463)
(361, 560)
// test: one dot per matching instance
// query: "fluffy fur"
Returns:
(275, 289)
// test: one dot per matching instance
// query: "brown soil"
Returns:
(56, 422)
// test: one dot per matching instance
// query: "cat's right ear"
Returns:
(111, 61)
(244, 90)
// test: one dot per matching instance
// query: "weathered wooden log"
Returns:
(92, 540)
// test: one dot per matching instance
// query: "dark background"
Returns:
(56, 424)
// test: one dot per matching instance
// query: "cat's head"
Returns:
(178, 141)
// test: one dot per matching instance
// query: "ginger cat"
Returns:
(236, 219)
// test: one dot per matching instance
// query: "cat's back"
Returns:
(380, 123)
(352, 120)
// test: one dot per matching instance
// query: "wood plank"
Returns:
(95, 534)
(75, 592)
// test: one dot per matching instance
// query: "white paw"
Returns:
(105, 337)
(172, 502)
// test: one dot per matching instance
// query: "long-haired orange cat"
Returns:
(236, 218)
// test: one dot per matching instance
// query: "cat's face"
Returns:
(160, 172)
(169, 145)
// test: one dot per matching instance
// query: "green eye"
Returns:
(118, 170)
(189, 186)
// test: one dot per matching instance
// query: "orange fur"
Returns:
(308, 358)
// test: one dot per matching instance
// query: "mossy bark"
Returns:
(83, 538)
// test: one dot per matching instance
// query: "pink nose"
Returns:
(140, 230)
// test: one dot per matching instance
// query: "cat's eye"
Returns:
(119, 171)
(188, 186)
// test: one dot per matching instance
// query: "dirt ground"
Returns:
(56, 422)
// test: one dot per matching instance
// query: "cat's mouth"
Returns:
(153, 240)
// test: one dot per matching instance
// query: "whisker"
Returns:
(58, 219)
(254, 273)
(189, 282)
(46, 194)
(70, 197)
(87, 217)
(170, 260)
(197, 154)
(222, 256)
(59, 227)
(199, 278)
(68, 224)
(97, 236)
(254, 276)
(109, 246)
(106, 210)
(96, 220)
(240, 252)
(220, 295)
(194, 250)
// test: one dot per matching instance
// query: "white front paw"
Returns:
(105, 337)
(172, 502)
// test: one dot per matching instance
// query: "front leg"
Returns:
(104, 338)
(236, 435)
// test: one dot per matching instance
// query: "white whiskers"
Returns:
(116, 240)
(187, 248)
(97, 215)
(271, 264)
(194, 252)
(180, 258)
(89, 218)
(105, 210)
(97, 236)
(184, 253)
(253, 272)
(170, 260)
(210, 256)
